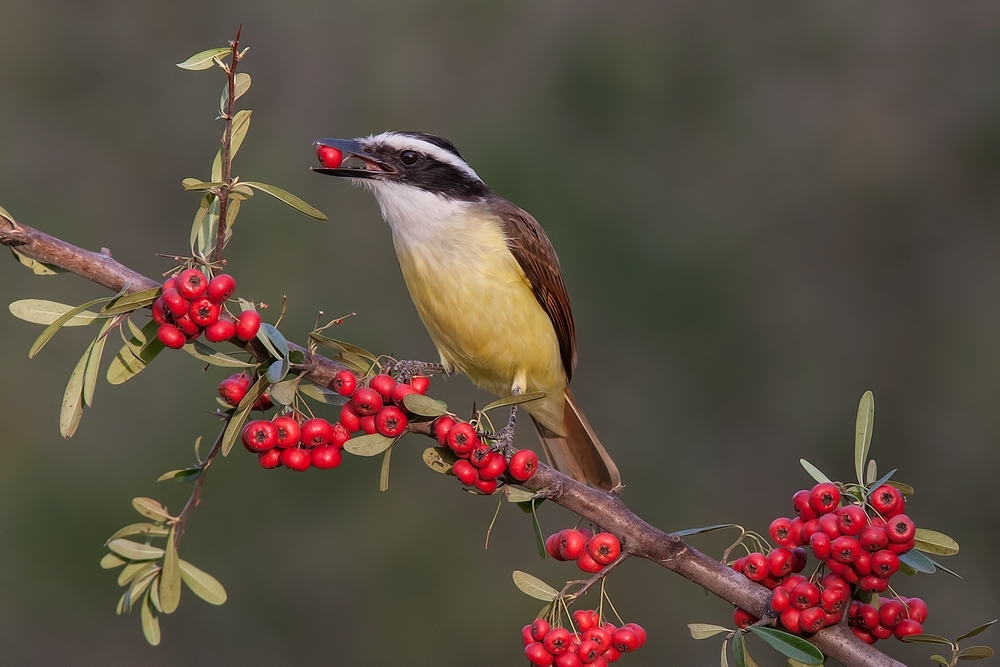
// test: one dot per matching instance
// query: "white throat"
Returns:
(418, 217)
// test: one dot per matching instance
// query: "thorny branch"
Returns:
(600, 507)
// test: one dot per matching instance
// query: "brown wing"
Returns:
(534, 252)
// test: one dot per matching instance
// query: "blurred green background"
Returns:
(761, 212)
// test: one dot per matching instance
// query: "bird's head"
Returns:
(401, 161)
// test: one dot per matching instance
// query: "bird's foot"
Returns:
(406, 370)
(503, 440)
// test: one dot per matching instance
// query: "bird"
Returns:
(485, 280)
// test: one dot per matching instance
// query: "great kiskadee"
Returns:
(486, 283)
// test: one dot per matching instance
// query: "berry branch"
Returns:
(227, 143)
(603, 509)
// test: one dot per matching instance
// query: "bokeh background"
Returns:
(761, 212)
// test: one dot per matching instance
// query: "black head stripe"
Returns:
(440, 142)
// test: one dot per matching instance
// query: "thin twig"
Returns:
(195, 498)
(227, 143)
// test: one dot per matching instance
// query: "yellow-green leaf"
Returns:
(142, 528)
(41, 311)
(202, 583)
(241, 124)
(368, 445)
(705, 630)
(533, 586)
(170, 578)
(205, 59)
(150, 623)
(134, 550)
(94, 365)
(288, 198)
(933, 542)
(515, 400)
(111, 561)
(129, 302)
(59, 323)
(241, 85)
(863, 433)
(150, 509)
(72, 404)
(38, 268)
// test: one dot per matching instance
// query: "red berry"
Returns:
(790, 619)
(390, 421)
(805, 595)
(900, 529)
(567, 659)
(739, 563)
(260, 435)
(884, 563)
(465, 472)
(572, 544)
(192, 284)
(844, 549)
(779, 562)
(812, 619)
(638, 630)
(824, 497)
(908, 627)
(462, 438)
(802, 507)
(326, 457)
(221, 288)
(552, 546)
(604, 548)
(901, 548)
(917, 609)
(743, 619)
(557, 641)
(247, 325)
(486, 486)
(887, 501)
(539, 628)
(863, 635)
(799, 559)
(221, 331)
(820, 545)
(809, 528)
(339, 435)
(345, 382)
(873, 584)
(536, 653)
(891, 613)
(755, 567)
(584, 619)
(171, 336)
(442, 425)
(316, 432)
(481, 454)
(795, 530)
(625, 640)
(367, 401)
(600, 635)
(832, 600)
(780, 531)
(383, 384)
(232, 391)
(851, 520)
(523, 465)
(349, 418)
(400, 392)
(831, 580)
(296, 459)
(873, 538)
(526, 634)
(368, 424)
(288, 431)
(866, 616)
(791, 582)
(589, 651)
(242, 378)
(203, 312)
(160, 313)
(588, 564)
(420, 383)
(175, 304)
(270, 459)
(496, 465)
(828, 523)
(780, 600)
(332, 158)
(170, 283)
(187, 326)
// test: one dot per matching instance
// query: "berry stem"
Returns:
(599, 576)
(195, 499)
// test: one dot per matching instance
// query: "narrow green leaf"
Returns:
(368, 445)
(288, 198)
(121, 604)
(353, 362)
(143, 528)
(195, 184)
(150, 509)
(342, 346)
(154, 596)
(204, 60)
(863, 433)
(534, 587)
(242, 411)
(739, 650)
(283, 393)
(917, 561)
(210, 355)
(539, 538)
(241, 124)
(266, 341)
(724, 660)
(183, 475)
(134, 550)
(280, 344)
(871, 474)
(129, 302)
(514, 400)
(940, 659)
(321, 394)
(704, 529)
(433, 459)
(875, 485)
(277, 370)
(905, 489)
(38, 268)
(72, 404)
(51, 330)
(514, 494)
(705, 630)
(927, 639)
(135, 355)
(94, 365)
(42, 311)
(383, 478)
(813, 471)
(205, 226)
(202, 583)
(150, 623)
(934, 542)
(425, 406)
(975, 653)
(111, 561)
(240, 86)
(170, 578)
(977, 630)
(789, 645)
(133, 570)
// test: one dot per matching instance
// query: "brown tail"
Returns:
(579, 454)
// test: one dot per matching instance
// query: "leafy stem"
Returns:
(195, 499)
(227, 142)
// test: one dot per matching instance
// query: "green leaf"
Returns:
(321, 394)
(129, 302)
(135, 355)
(383, 478)
(202, 583)
(283, 393)
(704, 529)
(38, 268)
(182, 475)
(934, 542)
(342, 346)
(288, 198)
(205, 59)
(425, 406)
(739, 650)
(917, 561)
(154, 597)
(789, 645)
(514, 400)
(94, 365)
(280, 344)
(433, 457)
(724, 660)
(205, 226)
(133, 570)
(268, 343)
(134, 550)
(975, 653)
(111, 561)
(977, 630)
(277, 370)
(927, 639)
(150, 509)
(241, 124)
(170, 578)
(940, 659)
(871, 474)
(368, 445)
(863, 433)
(242, 411)
(534, 587)
(705, 630)
(150, 623)
(138, 529)
(41, 311)
(874, 486)
(813, 471)
(195, 184)
(514, 494)
(241, 85)
(51, 330)
(72, 404)
(905, 489)
(210, 355)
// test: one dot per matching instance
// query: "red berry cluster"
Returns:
(591, 552)
(899, 617)
(591, 643)
(479, 464)
(295, 442)
(234, 388)
(191, 304)
(808, 607)
(377, 408)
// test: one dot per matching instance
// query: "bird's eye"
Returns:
(409, 157)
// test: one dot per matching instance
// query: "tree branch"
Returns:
(602, 508)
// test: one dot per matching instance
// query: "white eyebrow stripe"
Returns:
(402, 142)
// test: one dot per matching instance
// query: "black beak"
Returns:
(351, 148)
